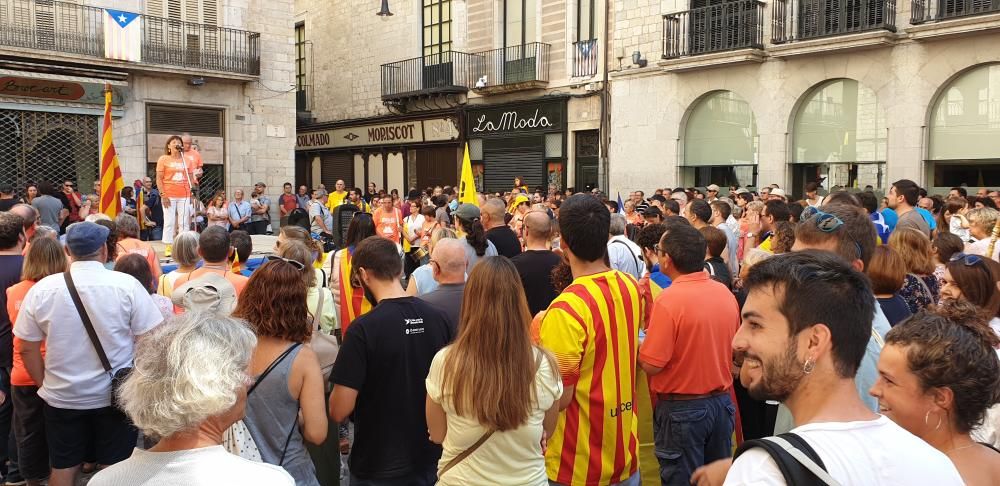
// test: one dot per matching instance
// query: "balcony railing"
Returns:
(78, 29)
(525, 63)
(794, 20)
(929, 10)
(446, 72)
(715, 28)
(585, 58)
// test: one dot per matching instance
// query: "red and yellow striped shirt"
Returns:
(593, 330)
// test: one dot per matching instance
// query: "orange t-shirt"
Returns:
(15, 296)
(690, 336)
(387, 223)
(141, 248)
(176, 184)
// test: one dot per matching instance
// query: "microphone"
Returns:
(179, 147)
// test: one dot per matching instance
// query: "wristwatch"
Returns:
(750, 235)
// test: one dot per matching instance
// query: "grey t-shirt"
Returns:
(261, 201)
(913, 219)
(48, 210)
(447, 298)
(317, 209)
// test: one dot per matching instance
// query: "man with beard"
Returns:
(401, 333)
(804, 331)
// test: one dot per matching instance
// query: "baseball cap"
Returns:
(742, 190)
(679, 197)
(86, 238)
(713, 187)
(470, 212)
(261, 184)
(520, 200)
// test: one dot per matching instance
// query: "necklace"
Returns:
(956, 449)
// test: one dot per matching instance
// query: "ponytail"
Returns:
(475, 234)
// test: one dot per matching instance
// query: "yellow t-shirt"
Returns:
(333, 200)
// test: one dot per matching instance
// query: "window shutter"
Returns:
(179, 119)
(155, 8)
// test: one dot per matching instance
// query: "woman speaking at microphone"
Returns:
(174, 178)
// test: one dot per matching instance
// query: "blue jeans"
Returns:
(632, 480)
(427, 477)
(691, 433)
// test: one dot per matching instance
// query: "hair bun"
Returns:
(969, 317)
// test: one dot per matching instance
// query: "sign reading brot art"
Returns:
(411, 131)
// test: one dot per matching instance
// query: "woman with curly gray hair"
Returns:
(188, 386)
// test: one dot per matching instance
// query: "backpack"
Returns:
(299, 217)
(798, 462)
(342, 217)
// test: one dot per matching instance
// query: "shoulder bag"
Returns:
(237, 439)
(466, 453)
(118, 377)
(798, 462)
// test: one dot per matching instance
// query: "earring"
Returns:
(927, 417)
(809, 365)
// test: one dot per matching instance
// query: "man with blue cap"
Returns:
(75, 374)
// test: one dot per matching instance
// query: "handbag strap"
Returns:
(288, 440)
(87, 324)
(319, 309)
(467, 452)
(271, 366)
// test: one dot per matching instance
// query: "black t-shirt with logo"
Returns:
(386, 356)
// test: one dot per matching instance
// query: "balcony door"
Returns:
(520, 54)
(171, 36)
(438, 67)
(818, 18)
(720, 25)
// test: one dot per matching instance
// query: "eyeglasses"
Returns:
(298, 265)
(967, 260)
(828, 223)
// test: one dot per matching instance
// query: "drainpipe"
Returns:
(603, 170)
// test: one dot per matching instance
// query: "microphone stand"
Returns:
(194, 188)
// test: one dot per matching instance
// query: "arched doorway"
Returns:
(720, 142)
(839, 138)
(965, 131)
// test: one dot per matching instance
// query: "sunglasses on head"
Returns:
(828, 223)
(298, 265)
(967, 260)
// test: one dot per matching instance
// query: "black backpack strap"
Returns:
(783, 449)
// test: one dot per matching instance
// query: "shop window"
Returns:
(721, 131)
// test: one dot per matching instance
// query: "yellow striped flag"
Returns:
(111, 173)
(140, 204)
(467, 186)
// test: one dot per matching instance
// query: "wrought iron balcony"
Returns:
(449, 72)
(511, 68)
(930, 10)
(69, 28)
(795, 20)
(715, 28)
(585, 58)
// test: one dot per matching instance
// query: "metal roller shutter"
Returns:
(336, 166)
(505, 159)
(53, 147)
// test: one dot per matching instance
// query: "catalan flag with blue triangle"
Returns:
(122, 35)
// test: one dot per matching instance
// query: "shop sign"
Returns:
(54, 89)
(517, 119)
(415, 131)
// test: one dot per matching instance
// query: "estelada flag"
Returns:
(467, 185)
(122, 35)
(111, 173)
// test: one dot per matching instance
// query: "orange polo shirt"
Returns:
(690, 336)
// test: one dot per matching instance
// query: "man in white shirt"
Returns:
(806, 323)
(79, 418)
(721, 212)
(624, 254)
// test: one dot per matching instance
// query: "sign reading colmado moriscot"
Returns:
(404, 132)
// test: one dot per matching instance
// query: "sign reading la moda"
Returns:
(511, 121)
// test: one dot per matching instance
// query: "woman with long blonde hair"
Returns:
(492, 390)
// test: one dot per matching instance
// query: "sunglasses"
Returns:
(298, 265)
(967, 260)
(828, 223)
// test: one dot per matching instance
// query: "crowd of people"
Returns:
(527, 338)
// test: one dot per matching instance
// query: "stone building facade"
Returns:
(793, 91)
(434, 76)
(220, 69)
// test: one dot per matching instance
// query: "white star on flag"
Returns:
(122, 19)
